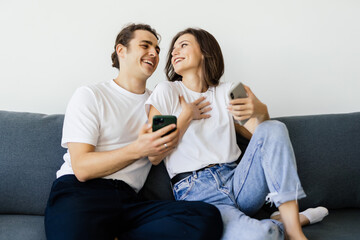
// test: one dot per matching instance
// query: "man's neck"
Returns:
(131, 83)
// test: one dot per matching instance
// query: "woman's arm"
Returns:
(249, 108)
(243, 131)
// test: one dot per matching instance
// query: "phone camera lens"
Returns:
(232, 95)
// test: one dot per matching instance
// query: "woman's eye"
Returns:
(183, 45)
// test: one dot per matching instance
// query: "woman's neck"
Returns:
(195, 83)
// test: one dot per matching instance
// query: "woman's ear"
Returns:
(120, 50)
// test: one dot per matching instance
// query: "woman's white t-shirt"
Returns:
(108, 117)
(206, 141)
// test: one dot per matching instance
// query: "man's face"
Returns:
(142, 54)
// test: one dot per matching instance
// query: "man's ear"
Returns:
(120, 50)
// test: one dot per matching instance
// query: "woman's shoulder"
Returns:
(224, 86)
(165, 86)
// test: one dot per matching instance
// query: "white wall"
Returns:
(298, 56)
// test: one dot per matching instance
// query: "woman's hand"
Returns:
(250, 107)
(195, 110)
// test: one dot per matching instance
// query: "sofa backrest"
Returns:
(30, 155)
(327, 150)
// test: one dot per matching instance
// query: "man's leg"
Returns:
(82, 210)
(172, 220)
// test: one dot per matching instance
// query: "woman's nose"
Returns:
(174, 52)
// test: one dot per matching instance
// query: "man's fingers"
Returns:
(164, 130)
(145, 128)
(170, 139)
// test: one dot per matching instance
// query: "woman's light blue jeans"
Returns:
(267, 171)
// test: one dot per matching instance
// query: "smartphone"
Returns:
(238, 91)
(160, 121)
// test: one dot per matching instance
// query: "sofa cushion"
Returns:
(30, 155)
(339, 224)
(327, 150)
(22, 227)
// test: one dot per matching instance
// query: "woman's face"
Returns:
(186, 55)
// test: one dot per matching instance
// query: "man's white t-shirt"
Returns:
(107, 117)
(206, 141)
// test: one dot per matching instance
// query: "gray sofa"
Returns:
(327, 148)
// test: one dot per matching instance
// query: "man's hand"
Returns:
(195, 110)
(250, 107)
(152, 144)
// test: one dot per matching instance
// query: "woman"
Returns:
(202, 167)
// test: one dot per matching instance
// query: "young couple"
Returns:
(111, 149)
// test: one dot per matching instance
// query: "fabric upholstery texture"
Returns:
(327, 149)
(30, 155)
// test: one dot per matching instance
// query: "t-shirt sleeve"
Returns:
(163, 98)
(81, 122)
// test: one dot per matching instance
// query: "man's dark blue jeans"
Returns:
(105, 209)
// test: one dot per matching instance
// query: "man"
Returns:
(95, 193)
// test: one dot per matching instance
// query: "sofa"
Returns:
(327, 148)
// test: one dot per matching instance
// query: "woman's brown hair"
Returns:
(213, 62)
(126, 35)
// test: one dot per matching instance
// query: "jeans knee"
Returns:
(273, 129)
(270, 231)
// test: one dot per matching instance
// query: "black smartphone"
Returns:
(160, 121)
(238, 91)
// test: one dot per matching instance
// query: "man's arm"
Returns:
(249, 108)
(88, 164)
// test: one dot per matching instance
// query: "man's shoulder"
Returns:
(96, 88)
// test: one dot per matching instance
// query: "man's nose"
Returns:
(153, 53)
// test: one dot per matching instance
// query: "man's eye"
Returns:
(144, 46)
